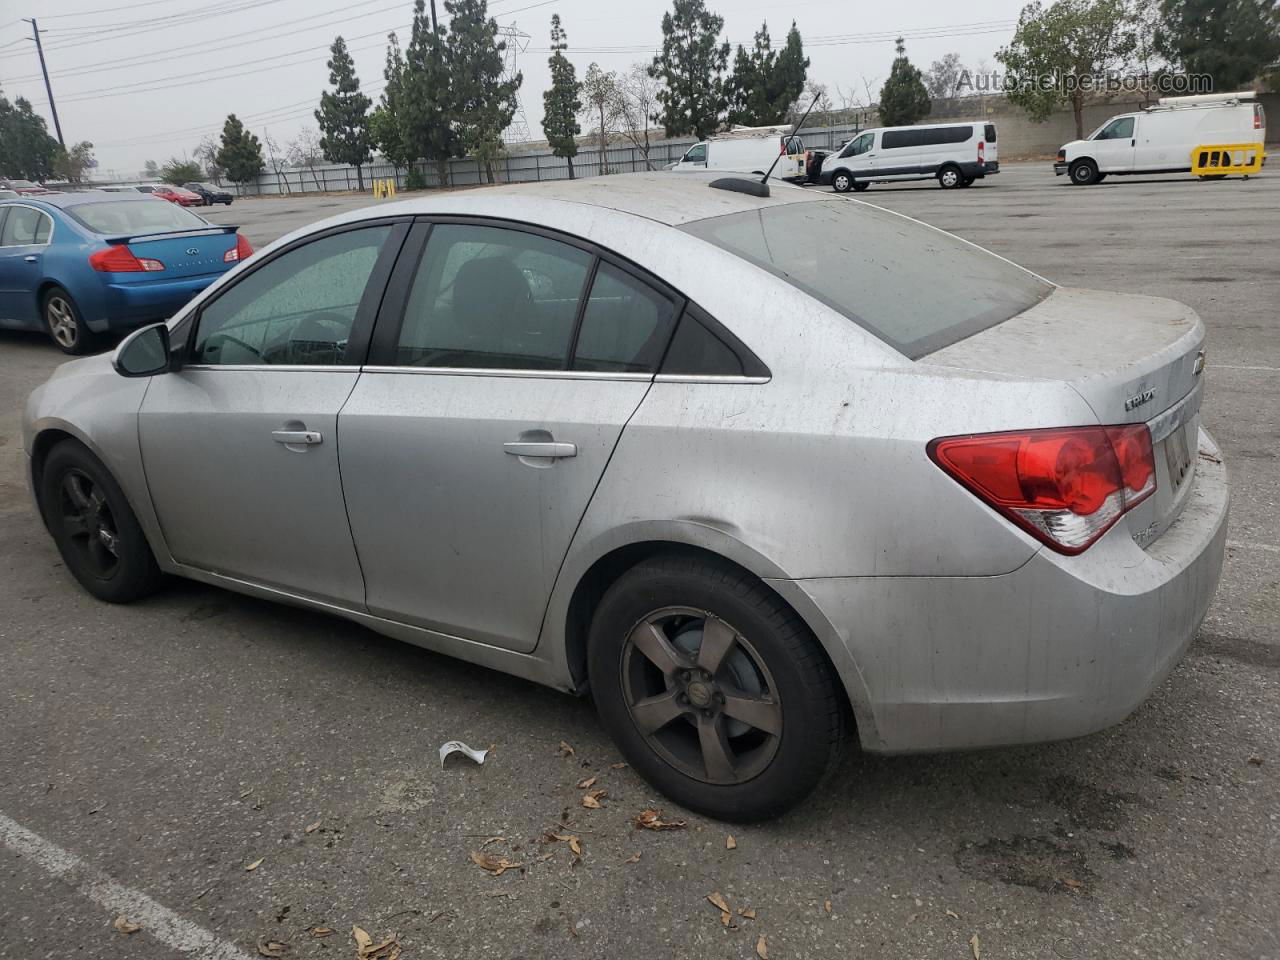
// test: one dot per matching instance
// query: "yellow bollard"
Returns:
(1223, 158)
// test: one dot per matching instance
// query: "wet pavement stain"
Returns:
(1035, 862)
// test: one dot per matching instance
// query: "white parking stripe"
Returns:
(1232, 366)
(157, 921)
(1249, 545)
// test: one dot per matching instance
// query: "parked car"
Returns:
(79, 264)
(209, 195)
(747, 150)
(747, 468)
(145, 188)
(26, 188)
(1162, 139)
(955, 153)
(8, 194)
(178, 195)
(119, 188)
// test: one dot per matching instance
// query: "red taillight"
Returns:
(1257, 117)
(982, 151)
(241, 251)
(118, 258)
(1066, 487)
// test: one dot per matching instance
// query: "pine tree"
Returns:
(344, 114)
(483, 103)
(26, 149)
(1232, 41)
(241, 153)
(691, 67)
(561, 102)
(765, 83)
(427, 122)
(903, 98)
(385, 123)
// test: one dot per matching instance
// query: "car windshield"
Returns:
(916, 288)
(135, 216)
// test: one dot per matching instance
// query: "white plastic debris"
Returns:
(457, 746)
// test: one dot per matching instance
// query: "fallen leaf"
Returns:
(634, 858)
(953, 915)
(272, 948)
(366, 949)
(246, 793)
(321, 932)
(255, 865)
(762, 948)
(1074, 884)
(718, 901)
(589, 782)
(362, 939)
(312, 827)
(565, 749)
(124, 926)
(591, 799)
(976, 944)
(652, 820)
(618, 766)
(488, 840)
(574, 843)
(748, 914)
(495, 865)
(826, 905)
(730, 843)
(1255, 761)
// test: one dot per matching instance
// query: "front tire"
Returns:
(842, 181)
(715, 691)
(63, 322)
(1084, 172)
(950, 177)
(96, 532)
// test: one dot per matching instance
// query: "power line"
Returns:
(127, 6)
(106, 33)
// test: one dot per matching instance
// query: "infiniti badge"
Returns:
(193, 250)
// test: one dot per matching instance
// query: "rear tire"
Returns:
(842, 181)
(1084, 173)
(861, 185)
(950, 177)
(967, 181)
(64, 324)
(95, 530)
(714, 689)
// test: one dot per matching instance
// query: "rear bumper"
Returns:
(127, 305)
(1061, 647)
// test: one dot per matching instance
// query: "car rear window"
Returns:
(916, 288)
(144, 215)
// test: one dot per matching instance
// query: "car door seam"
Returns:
(342, 489)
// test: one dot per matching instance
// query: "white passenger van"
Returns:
(748, 150)
(955, 153)
(1162, 138)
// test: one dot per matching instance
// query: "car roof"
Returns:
(64, 200)
(663, 196)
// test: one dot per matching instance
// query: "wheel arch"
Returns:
(578, 595)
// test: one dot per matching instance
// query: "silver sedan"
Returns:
(758, 472)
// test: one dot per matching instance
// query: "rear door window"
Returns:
(25, 226)
(625, 326)
(916, 288)
(989, 133)
(895, 139)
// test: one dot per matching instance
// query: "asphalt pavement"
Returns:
(229, 774)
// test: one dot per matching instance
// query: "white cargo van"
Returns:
(1162, 138)
(955, 153)
(748, 150)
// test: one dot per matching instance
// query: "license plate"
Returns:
(1177, 456)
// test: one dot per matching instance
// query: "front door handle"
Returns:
(534, 448)
(31, 258)
(305, 437)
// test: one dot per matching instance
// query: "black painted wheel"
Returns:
(94, 528)
(715, 691)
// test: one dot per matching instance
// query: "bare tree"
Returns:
(206, 152)
(276, 158)
(635, 103)
(599, 103)
(943, 77)
(816, 94)
(305, 151)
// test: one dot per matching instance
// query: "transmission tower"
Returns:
(517, 42)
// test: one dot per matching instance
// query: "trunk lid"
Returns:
(1133, 359)
(190, 253)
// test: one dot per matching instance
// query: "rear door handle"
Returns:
(306, 437)
(31, 258)
(533, 448)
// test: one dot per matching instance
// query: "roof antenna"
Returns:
(760, 188)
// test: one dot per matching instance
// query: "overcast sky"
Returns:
(146, 79)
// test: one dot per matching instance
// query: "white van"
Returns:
(955, 153)
(1161, 139)
(747, 150)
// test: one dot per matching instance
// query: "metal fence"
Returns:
(511, 167)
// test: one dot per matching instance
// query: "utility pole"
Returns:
(53, 108)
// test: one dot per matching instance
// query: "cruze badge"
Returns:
(1146, 396)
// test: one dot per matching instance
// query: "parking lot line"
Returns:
(156, 920)
(1249, 545)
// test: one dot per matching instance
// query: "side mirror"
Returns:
(143, 353)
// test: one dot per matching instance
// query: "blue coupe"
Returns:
(78, 265)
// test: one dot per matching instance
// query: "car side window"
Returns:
(697, 154)
(25, 227)
(625, 326)
(493, 298)
(298, 308)
(1119, 129)
(861, 145)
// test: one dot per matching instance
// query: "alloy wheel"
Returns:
(90, 527)
(701, 695)
(61, 317)
(950, 177)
